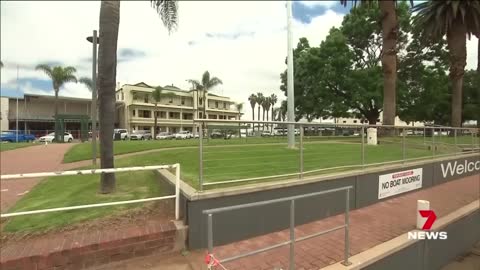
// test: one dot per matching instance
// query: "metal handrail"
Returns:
(176, 196)
(293, 240)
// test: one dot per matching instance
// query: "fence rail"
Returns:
(210, 212)
(438, 141)
(176, 196)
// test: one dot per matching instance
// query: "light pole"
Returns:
(94, 40)
(16, 111)
(290, 104)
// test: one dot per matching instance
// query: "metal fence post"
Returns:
(210, 234)
(177, 191)
(347, 229)
(455, 140)
(433, 141)
(424, 136)
(200, 158)
(301, 152)
(404, 150)
(292, 235)
(363, 147)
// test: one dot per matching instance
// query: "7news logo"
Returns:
(426, 233)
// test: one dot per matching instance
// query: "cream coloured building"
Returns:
(175, 111)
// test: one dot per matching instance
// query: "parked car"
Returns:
(216, 135)
(164, 136)
(184, 135)
(266, 134)
(67, 137)
(140, 135)
(11, 136)
(123, 133)
(196, 136)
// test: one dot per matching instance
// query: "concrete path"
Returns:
(38, 158)
(370, 226)
(470, 261)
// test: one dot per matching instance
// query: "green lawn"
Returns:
(83, 151)
(236, 162)
(12, 146)
(64, 191)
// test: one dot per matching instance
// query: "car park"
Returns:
(140, 135)
(164, 136)
(67, 137)
(266, 134)
(216, 135)
(11, 136)
(183, 135)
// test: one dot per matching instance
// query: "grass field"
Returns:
(12, 146)
(64, 191)
(84, 151)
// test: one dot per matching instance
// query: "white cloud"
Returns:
(312, 4)
(35, 32)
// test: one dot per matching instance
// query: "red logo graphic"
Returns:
(431, 217)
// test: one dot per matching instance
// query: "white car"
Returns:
(123, 133)
(164, 136)
(183, 135)
(67, 137)
(140, 135)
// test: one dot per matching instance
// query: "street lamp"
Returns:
(94, 40)
(290, 92)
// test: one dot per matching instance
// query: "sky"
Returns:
(242, 43)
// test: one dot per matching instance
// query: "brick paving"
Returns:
(38, 158)
(370, 226)
(83, 248)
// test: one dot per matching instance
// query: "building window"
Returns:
(135, 96)
(200, 101)
(224, 105)
(133, 112)
(174, 115)
(183, 100)
(216, 104)
(344, 121)
(122, 96)
(162, 114)
(146, 99)
(144, 113)
(354, 121)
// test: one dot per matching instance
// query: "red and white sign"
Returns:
(399, 182)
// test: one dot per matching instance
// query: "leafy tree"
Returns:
(205, 85)
(389, 18)
(59, 76)
(107, 70)
(456, 20)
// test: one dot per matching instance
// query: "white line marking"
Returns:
(4, 190)
(23, 193)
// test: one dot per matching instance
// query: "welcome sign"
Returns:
(399, 182)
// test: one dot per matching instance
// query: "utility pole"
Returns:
(16, 110)
(94, 40)
(290, 97)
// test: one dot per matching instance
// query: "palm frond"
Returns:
(157, 94)
(196, 84)
(45, 68)
(168, 11)
(214, 82)
(239, 107)
(205, 78)
(88, 82)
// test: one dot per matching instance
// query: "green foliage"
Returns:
(59, 75)
(168, 11)
(88, 82)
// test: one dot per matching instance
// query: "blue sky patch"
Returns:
(305, 13)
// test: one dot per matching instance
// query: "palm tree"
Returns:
(205, 85)
(107, 70)
(239, 107)
(273, 101)
(268, 104)
(253, 101)
(88, 82)
(260, 99)
(157, 96)
(456, 20)
(59, 76)
(389, 54)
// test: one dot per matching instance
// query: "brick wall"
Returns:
(81, 250)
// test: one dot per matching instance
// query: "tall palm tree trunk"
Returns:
(258, 116)
(155, 122)
(389, 60)
(267, 119)
(56, 127)
(478, 77)
(253, 118)
(107, 67)
(205, 104)
(272, 118)
(457, 47)
(263, 119)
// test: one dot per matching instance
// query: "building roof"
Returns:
(52, 97)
